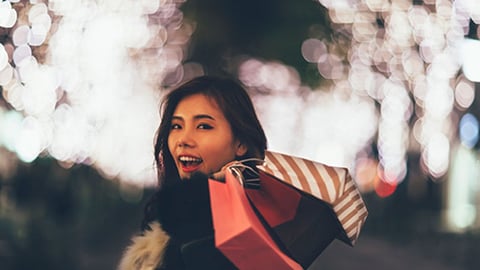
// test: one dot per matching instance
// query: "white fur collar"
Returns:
(146, 251)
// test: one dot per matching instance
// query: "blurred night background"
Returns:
(387, 88)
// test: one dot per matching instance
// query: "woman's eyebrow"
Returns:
(203, 116)
(175, 117)
(196, 117)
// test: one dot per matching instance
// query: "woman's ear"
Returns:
(241, 149)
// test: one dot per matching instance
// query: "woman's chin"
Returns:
(193, 174)
(185, 176)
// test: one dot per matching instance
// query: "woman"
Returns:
(206, 123)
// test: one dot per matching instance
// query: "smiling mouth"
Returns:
(190, 162)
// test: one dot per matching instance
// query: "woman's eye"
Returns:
(175, 126)
(205, 126)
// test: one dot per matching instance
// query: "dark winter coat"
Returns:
(181, 235)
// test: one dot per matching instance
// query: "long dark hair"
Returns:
(236, 105)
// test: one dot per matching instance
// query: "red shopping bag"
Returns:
(308, 228)
(239, 233)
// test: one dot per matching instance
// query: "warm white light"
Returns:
(29, 143)
(436, 154)
(6, 75)
(8, 16)
(314, 50)
(105, 59)
(3, 57)
(94, 93)
(462, 183)
(21, 35)
(470, 57)
(38, 34)
(11, 127)
(22, 53)
(464, 93)
(331, 68)
(439, 100)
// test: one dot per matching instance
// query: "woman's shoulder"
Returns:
(146, 250)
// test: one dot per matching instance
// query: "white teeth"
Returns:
(189, 159)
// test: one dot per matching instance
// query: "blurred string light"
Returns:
(83, 78)
(404, 56)
(312, 124)
(461, 213)
(470, 54)
(93, 98)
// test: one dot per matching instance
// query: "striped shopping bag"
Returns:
(332, 185)
(330, 206)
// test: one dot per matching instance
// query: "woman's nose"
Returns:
(186, 139)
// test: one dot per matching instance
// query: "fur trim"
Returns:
(146, 251)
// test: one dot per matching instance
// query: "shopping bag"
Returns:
(329, 186)
(239, 233)
(306, 231)
(306, 205)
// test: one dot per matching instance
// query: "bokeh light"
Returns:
(8, 16)
(384, 189)
(91, 93)
(464, 93)
(470, 55)
(461, 209)
(469, 130)
(83, 81)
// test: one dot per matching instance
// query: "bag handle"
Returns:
(247, 176)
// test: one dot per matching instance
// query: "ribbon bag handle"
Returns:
(248, 177)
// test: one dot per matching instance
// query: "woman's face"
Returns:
(201, 139)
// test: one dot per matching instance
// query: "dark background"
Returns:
(75, 219)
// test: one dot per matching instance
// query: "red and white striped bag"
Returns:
(333, 185)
